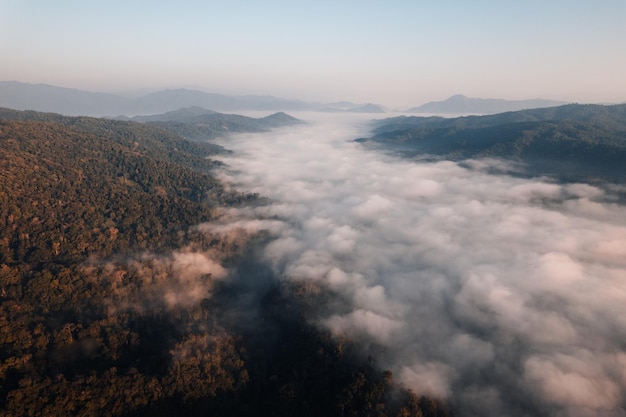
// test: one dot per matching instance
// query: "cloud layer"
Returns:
(503, 295)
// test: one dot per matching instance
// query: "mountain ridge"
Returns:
(569, 143)
(200, 124)
(74, 102)
(460, 104)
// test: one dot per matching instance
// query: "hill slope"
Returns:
(112, 300)
(571, 143)
(198, 124)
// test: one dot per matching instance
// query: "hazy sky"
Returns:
(396, 52)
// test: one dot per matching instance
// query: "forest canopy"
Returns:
(113, 302)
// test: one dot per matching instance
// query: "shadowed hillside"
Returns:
(570, 143)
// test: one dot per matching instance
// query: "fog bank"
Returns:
(503, 295)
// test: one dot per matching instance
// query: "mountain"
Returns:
(460, 104)
(609, 115)
(180, 115)
(72, 102)
(345, 107)
(48, 98)
(570, 143)
(168, 100)
(279, 119)
(199, 124)
(367, 108)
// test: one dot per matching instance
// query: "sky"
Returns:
(396, 53)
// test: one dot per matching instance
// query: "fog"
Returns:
(505, 296)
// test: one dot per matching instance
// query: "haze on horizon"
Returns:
(397, 53)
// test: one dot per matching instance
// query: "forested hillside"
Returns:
(113, 302)
(198, 124)
(569, 143)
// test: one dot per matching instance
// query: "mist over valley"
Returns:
(500, 294)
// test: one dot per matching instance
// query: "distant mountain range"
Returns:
(72, 102)
(352, 108)
(185, 114)
(460, 104)
(569, 143)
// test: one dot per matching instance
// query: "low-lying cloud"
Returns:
(503, 295)
(148, 282)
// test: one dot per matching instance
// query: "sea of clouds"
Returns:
(505, 296)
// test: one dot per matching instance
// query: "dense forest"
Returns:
(569, 143)
(113, 302)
